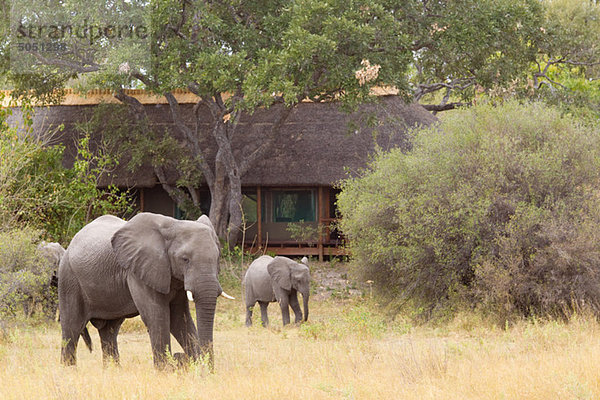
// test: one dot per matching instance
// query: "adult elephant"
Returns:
(278, 279)
(115, 269)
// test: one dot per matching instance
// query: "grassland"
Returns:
(347, 350)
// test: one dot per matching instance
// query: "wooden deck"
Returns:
(324, 246)
(292, 248)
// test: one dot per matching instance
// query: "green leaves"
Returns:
(507, 191)
(24, 273)
(265, 51)
(38, 191)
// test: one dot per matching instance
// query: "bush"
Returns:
(36, 190)
(497, 207)
(24, 274)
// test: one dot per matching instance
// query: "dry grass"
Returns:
(335, 356)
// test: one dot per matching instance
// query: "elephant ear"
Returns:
(206, 221)
(139, 245)
(53, 252)
(279, 270)
(299, 273)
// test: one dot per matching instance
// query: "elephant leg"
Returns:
(284, 303)
(155, 313)
(70, 337)
(182, 326)
(72, 322)
(249, 309)
(157, 322)
(295, 306)
(108, 340)
(263, 313)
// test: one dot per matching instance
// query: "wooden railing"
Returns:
(328, 244)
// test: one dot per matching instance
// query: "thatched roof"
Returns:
(319, 144)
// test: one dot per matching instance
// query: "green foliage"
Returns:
(487, 42)
(571, 29)
(36, 190)
(292, 49)
(252, 49)
(24, 273)
(303, 232)
(496, 207)
(538, 50)
(310, 48)
(242, 56)
(233, 264)
(567, 69)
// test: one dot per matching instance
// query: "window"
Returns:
(249, 207)
(293, 205)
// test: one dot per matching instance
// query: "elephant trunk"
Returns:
(205, 290)
(205, 316)
(305, 301)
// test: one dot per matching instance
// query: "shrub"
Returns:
(37, 190)
(24, 273)
(495, 206)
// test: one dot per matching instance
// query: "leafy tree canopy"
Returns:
(238, 56)
(309, 48)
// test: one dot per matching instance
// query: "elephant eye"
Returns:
(185, 259)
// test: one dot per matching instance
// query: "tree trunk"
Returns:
(218, 209)
(235, 209)
(224, 177)
(219, 192)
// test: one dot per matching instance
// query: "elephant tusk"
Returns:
(223, 294)
(190, 296)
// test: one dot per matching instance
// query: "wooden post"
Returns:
(320, 220)
(259, 214)
(142, 205)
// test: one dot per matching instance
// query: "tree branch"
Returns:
(179, 122)
(457, 84)
(549, 82)
(143, 78)
(262, 150)
(136, 109)
(80, 68)
(444, 107)
(176, 193)
(192, 136)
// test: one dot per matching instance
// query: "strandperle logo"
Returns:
(83, 35)
(90, 32)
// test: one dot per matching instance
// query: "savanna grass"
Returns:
(347, 350)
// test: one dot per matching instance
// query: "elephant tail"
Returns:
(86, 338)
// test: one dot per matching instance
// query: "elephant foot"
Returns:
(69, 361)
(181, 360)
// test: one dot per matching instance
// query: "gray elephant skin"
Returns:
(278, 279)
(115, 269)
(51, 254)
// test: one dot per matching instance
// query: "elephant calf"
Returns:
(52, 253)
(278, 279)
